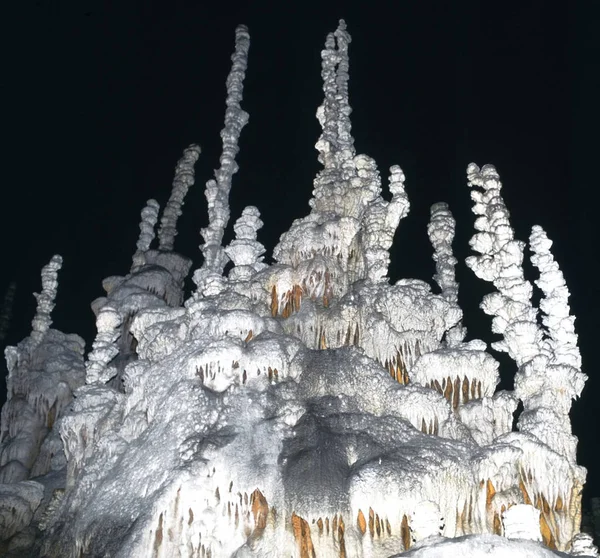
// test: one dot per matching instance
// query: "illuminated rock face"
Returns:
(310, 408)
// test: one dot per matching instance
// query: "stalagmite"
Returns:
(336, 143)
(184, 178)
(583, 545)
(441, 230)
(555, 303)
(45, 300)
(43, 372)
(104, 349)
(217, 190)
(148, 220)
(245, 251)
(548, 377)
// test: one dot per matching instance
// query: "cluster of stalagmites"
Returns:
(44, 371)
(307, 408)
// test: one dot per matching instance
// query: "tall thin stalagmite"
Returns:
(184, 179)
(217, 189)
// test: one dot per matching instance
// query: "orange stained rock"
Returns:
(399, 373)
(248, 337)
(448, 390)
(545, 505)
(341, 541)
(465, 390)
(322, 342)
(547, 536)
(388, 527)
(371, 522)
(260, 509)
(274, 302)
(497, 524)
(405, 532)
(463, 517)
(297, 297)
(490, 491)
(302, 535)
(456, 394)
(361, 523)
(320, 525)
(559, 504)
(470, 514)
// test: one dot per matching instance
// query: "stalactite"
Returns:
(405, 533)
(361, 522)
(301, 530)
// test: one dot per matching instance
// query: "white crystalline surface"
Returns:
(43, 372)
(549, 375)
(522, 521)
(485, 546)
(184, 178)
(217, 189)
(307, 408)
(45, 300)
(147, 223)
